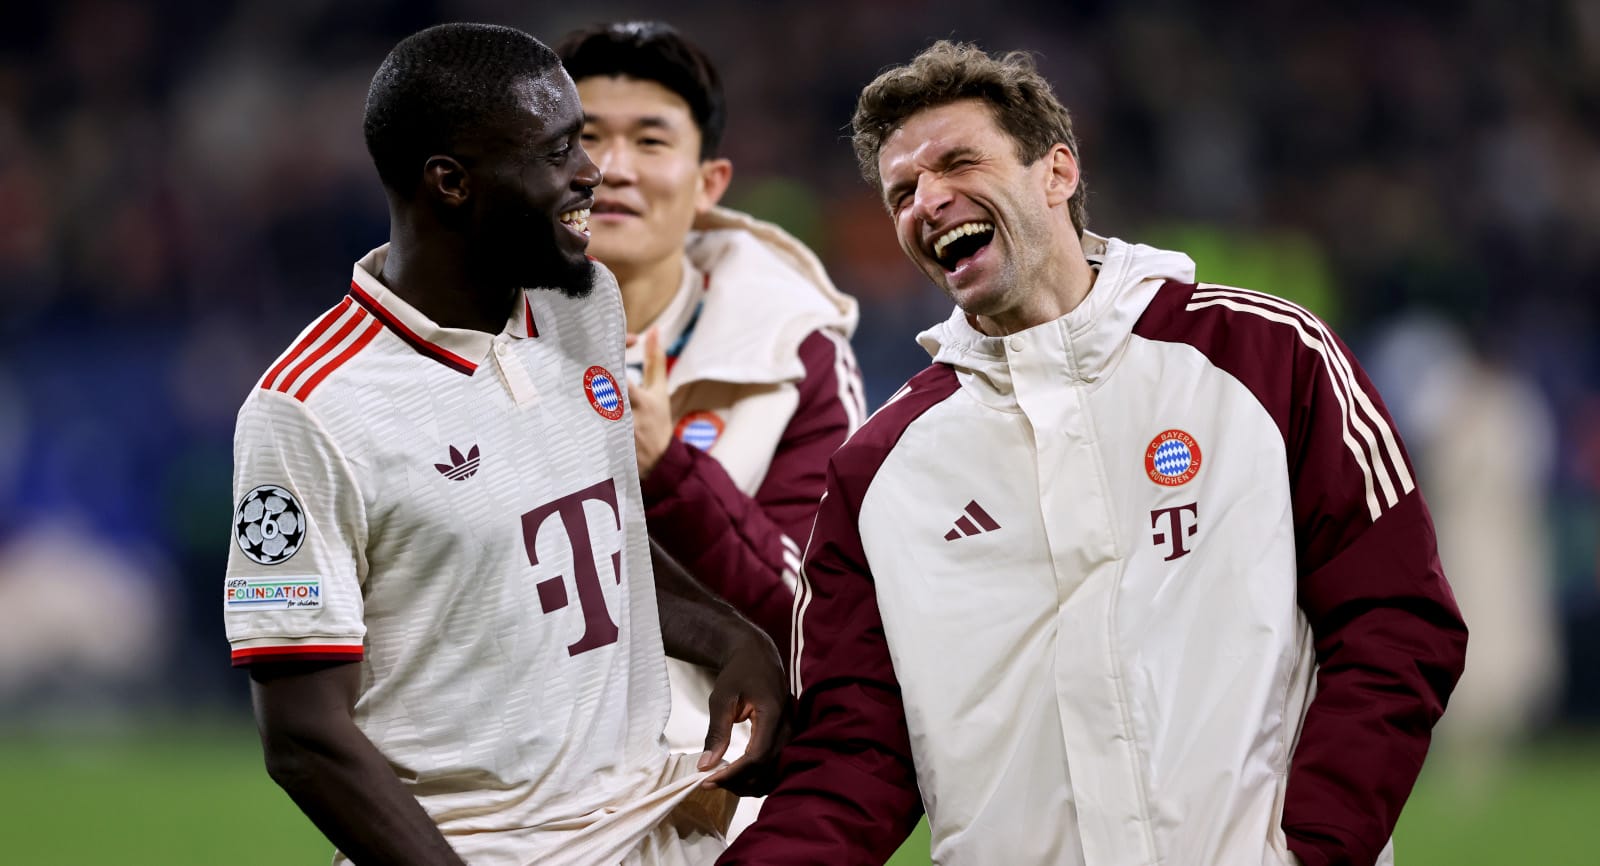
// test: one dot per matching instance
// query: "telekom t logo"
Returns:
(598, 627)
(1176, 528)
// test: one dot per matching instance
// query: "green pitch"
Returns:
(199, 796)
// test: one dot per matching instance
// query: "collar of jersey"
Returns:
(460, 349)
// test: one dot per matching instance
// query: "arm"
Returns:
(303, 703)
(848, 793)
(315, 752)
(699, 628)
(747, 549)
(1390, 642)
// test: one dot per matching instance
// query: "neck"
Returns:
(1062, 286)
(431, 272)
(647, 290)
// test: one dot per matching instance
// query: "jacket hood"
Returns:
(1128, 276)
(765, 293)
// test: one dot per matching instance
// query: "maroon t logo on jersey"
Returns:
(599, 629)
(1176, 531)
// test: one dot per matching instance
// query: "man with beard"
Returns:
(1136, 572)
(441, 581)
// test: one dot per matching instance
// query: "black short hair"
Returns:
(439, 84)
(652, 51)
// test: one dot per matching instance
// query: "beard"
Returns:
(573, 279)
(524, 253)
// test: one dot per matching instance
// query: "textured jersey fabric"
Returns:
(464, 519)
(1151, 583)
(764, 387)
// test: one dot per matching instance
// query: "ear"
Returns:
(445, 181)
(1062, 180)
(715, 175)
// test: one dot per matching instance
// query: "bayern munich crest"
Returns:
(604, 392)
(1172, 458)
(269, 525)
(699, 429)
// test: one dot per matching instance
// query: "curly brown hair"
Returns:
(1023, 103)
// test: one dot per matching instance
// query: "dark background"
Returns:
(183, 185)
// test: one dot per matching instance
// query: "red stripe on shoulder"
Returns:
(321, 351)
(323, 324)
(356, 345)
(297, 653)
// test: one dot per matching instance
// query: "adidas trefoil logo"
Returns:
(459, 468)
(974, 522)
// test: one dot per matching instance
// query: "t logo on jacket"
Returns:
(1177, 528)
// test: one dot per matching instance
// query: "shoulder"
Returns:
(739, 248)
(826, 354)
(1276, 348)
(322, 348)
(743, 271)
(1226, 321)
(765, 293)
(269, 419)
(858, 460)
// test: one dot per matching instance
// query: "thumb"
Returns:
(720, 730)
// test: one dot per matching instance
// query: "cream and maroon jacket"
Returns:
(1151, 583)
(764, 387)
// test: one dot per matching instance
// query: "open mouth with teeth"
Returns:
(955, 246)
(577, 220)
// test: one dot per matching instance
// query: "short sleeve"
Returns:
(295, 567)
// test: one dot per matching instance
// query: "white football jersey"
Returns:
(460, 512)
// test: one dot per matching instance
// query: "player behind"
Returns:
(1136, 572)
(748, 382)
(440, 581)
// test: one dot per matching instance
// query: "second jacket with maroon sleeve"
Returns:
(1149, 583)
(764, 387)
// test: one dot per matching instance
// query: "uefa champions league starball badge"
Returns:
(1172, 458)
(269, 525)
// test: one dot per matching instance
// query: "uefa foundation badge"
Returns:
(269, 525)
(1172, 459)
(700, 429)
(604, 392)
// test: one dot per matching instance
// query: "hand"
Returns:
(652, 413)
(751, 685)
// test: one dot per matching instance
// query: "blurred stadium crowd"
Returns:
(183, 184)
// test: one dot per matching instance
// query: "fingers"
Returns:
(724, 711)
(655, 359)
(755, 755)
(725, 776)
(753, 773)
(763, 734)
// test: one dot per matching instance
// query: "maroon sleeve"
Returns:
(848, 793)
(747, 549)
(1390, 642)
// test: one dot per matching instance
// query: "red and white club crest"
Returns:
(700, 429)
(1172, 458)
(604, 392)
